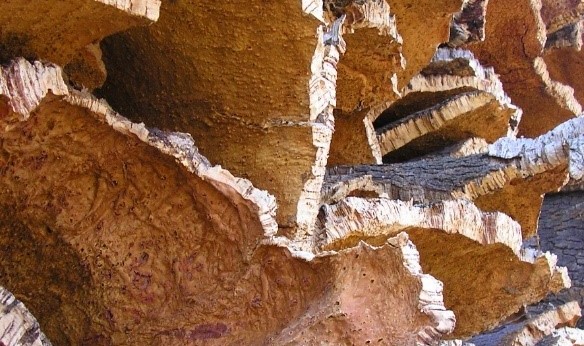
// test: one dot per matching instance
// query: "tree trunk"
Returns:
(290, 172)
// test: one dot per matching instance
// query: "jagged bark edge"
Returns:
(485, 79)
(562, 145)
(322, 90)
(545, 324)
(149, 9)
(563, 94)
(527, 157)
(322, 93)
(431, 299)
(26, 84)
(371, 217)
(182, 147)
(377, 15)
(392, 137)
(17, 325)
(452, 217)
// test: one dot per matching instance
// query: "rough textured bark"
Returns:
(258, 141)
(515, 50)
(564, 337)
(361, 97)
(354, 141)
(560, 230)
(534, 326)
(561, 227)
(564, 58)
(452, 99)
(471, 146)
(448, 235)
(420, 45)
(511, 178)
(237, 108)
(38, 30)
(17, 325)
(66, 31)
(353, 303)
(59, 189)
(115, 232)
(353, 219)
(457, 118)
(558, 14)
(367, 75)
(468, 25)
(372, 56)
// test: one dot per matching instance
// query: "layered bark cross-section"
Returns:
(85, 196)
(452, 99)
(143, 217)
(512, 177)
(361, 97)
(531, 327)
(377, 219)
(116, 232)
(367, 73)
(372, 53)
(235, 96)
(17, 325)
(448, 235)
(514, 43)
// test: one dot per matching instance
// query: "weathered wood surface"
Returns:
(139, 227)
(512, 177)
(420, 45)
(486, 180)
(191, 231)
(372, 72)
(354, 141)
(242, 109)
(452, 69)
(353, 219)
(470, 114)
(460, 245)
(372, 53)
(560, 230)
